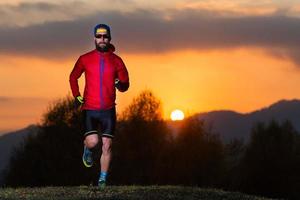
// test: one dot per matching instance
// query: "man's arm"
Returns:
(122, 81)
(74, 76)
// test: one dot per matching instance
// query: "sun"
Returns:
(177, 115)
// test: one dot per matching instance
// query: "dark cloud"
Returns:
(4, 99)
(7, 99)
(153, 31)
(24, 7)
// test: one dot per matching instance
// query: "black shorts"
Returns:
(103, 120)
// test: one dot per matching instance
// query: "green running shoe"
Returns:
(87, 157)
(101, 183)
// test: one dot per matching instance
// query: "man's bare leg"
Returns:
(105, 158)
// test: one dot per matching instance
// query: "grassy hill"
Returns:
(122, 193)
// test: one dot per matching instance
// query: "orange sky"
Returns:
(241, 78)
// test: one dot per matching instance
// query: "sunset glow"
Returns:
(223, 58)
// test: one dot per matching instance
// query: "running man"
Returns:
(104, 71)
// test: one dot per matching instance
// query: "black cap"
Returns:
(102, 29)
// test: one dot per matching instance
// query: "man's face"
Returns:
(101, 40)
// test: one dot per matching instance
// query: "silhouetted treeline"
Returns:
(145, 152)
(270, 165)
(52, 156)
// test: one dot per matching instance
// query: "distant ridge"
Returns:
(10, 141)
(230, 124)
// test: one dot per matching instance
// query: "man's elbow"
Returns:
(72, 78)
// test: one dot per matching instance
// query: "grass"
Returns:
(122, 193)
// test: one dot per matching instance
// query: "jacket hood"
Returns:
(112, 48)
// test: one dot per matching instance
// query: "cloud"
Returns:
(27, 14)
(156, 31)
(4, 99)
(9, 99)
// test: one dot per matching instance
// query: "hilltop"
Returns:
(122, 193)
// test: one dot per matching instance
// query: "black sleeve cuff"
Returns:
(122, 86)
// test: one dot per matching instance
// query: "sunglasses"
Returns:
(101, 36)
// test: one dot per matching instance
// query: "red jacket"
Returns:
(101, 70)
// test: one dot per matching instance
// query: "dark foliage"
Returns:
(142, 142)
(271, 163)
(198, 156)
(53, 155)
(145, 152)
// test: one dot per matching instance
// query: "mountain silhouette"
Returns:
(10, 141)
(230, 124)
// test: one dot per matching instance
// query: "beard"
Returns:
(102, 48)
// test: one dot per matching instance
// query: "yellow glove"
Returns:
(78, 101)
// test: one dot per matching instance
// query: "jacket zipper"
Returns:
(101, 82)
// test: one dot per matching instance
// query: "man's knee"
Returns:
(91, 141)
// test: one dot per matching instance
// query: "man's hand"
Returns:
(78, 101)
(117, 81)
(122, 87)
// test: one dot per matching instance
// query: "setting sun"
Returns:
(177, 115)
